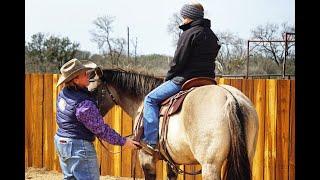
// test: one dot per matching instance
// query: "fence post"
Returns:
(285, 56)
(248, 59)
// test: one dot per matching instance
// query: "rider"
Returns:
(79, 122)
(195, 54)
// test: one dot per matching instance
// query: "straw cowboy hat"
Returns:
(73, 68)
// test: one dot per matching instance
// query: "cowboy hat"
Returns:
(73, 68)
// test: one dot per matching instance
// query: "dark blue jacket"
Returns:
(196, 51)
(68, 124)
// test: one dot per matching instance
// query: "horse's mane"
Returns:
(135, 83)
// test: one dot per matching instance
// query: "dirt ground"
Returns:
(43, 174)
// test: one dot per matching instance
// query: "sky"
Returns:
(148, 19)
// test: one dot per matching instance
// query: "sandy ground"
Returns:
(42, 174)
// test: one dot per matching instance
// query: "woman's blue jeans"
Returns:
(151, 110)
(78, 158)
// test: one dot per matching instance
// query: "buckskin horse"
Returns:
(216, 126)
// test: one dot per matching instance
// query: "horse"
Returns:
(216, 127)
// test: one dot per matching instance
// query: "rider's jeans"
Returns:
(78, 158)
(151, 109)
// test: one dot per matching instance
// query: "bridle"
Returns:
(104, 89)
(98, 72)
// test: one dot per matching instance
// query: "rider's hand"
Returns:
(131, 143)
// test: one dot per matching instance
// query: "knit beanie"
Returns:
(191, 12)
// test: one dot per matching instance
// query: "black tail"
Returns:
(238, 165)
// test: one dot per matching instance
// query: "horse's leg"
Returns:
(148, 174)
(148, 165)
(211, 171)
(171, 174)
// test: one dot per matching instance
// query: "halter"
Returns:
(103, 90)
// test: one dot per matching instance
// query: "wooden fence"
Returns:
(274, 101)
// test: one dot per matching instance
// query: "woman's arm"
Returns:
(88, 113)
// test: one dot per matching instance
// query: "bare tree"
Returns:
(232, 48)
(110, 47)
(173, 28)
(271, 32)
(119, 44)
(134, 42)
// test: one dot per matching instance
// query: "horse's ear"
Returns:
(99, 72)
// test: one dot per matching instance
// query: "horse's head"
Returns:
(104, 93)
(95, 77)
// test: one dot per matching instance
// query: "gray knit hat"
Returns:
(191, 12)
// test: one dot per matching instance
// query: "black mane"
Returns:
(136, 84)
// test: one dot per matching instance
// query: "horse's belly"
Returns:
(178, 145)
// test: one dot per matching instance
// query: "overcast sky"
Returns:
(148, 19)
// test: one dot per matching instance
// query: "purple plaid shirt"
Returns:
(88, 113)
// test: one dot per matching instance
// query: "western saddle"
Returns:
(170, 106)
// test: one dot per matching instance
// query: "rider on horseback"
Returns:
(195, 54)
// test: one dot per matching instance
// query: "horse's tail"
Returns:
(238, 165)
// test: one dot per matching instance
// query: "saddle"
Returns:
(170, 106)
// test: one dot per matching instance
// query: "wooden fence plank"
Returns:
(220, 81)
(37, 120)
(126, 156)
(159, 170)
(106, 157)
(180, 176)
(116, 158)
(260, 104)
(48, 133)
(164, 170)
(237, 83)
(282, 129)
(225, 81)
(247, 88)
(292, 132)
(55, 77)
(28, 120)
(270, 129)
(33, 117)
(189, 168)
(197, 168)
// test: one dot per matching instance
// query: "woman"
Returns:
(195, 54)
(79, 121)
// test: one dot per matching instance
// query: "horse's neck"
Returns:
(130, 104)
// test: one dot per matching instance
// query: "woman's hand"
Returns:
(131, 143)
